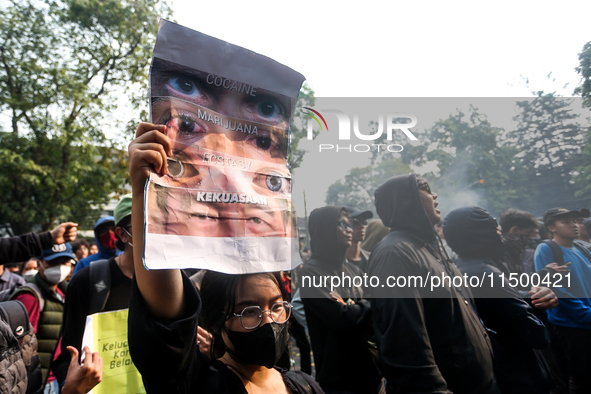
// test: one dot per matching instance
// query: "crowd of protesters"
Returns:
(220, 333)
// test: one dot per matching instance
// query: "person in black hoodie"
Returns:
(339, 321)
(472, 233)
(429, 341)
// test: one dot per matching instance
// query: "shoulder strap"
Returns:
(556, 251)
(36, 291)
(300, 380)
(365, 254)
(15, 315)
(583, 250)
(100, 285)
(5, 294)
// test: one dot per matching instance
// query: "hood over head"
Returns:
(376, 231)
(102, 250)
(400, 207)
(472, 233)
(322, 226)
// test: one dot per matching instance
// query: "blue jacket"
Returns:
(574, 308)
(103, 254)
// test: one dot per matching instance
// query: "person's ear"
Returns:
(513, 230)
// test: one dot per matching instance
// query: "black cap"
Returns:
(355, 213)
(586, 212)
(554, 213)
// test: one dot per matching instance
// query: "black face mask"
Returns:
(534, 242)
(263, 346)
(519, 239)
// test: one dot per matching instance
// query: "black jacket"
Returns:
(429, 342)
(167, 356)
(22, 248)
(338, 333)
(472, 233)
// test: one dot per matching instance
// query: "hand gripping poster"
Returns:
(106, 333)
(225, 204)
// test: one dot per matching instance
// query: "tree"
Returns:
(549, 141)
(583, 178)
(361, 182)
(462, 147)
(584, 70)
(474, 168)
(298, 126)
(60, 64)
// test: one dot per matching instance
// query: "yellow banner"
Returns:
(106, 333)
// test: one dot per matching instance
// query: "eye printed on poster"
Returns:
(225, 204)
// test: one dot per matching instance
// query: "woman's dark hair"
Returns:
(78, 244)
(20, 272)
(218, 294)
(519, 218)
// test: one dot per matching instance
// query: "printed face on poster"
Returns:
(225, 203)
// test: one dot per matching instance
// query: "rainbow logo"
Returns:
(315, 118)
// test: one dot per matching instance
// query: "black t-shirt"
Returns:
(77, 307)
(168, 358)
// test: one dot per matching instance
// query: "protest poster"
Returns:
(106, 333)
(225, 204)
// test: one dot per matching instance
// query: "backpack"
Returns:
(100, 285)
(36, 291)
(20, 369)
(557, 252)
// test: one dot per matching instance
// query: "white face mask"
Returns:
(57, 274)
(29, 274)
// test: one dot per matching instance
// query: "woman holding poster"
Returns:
(247, 314)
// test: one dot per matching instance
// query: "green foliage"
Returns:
(550, 142)
(298, 125)
(361, 183)
(582, 177)
(534, 167)
(61, 62)
(467, 148)
(584, 70)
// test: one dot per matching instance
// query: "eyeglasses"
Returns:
(425, 188)
(252, 316)
(357, 222)
(345, 225)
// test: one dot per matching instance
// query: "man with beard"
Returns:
(429, 341)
